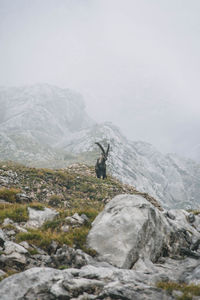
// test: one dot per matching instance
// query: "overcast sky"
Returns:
(136, 62)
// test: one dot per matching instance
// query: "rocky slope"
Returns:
(46, 126)
(134, 249)
(173, 180)
(35, 118)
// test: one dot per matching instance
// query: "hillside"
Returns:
(46, 126)
(63, 192)
(72, 187)
(64, 234)
(173, 180)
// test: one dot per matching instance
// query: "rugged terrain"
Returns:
(64, 234)
(46, 126)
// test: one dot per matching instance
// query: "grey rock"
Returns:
(10, 233)
(38, 217)
(25, 245)
(11, 247)
(53, 247)
(77, 286)
(170, 215)
(75, 219)
(23, 198)
(14, 260)
(65, 228)
(85, 218)
(2, 273)
(2, 238)
(191, 218)
(7, 221)
(67, 256)
(89, 281)
(191, 275)
(59, 292)
(20, 228)
(28, 284)
(130, 228)
(177, 294)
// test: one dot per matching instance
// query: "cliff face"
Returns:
(47, 126)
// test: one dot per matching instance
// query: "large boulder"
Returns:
(130, 229)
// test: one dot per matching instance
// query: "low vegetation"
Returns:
(188, 291)
(71, 187)
(15, 212)
(72, 190)
(51, 230)
(9, 194)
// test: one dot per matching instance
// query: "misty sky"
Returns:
(136, 62)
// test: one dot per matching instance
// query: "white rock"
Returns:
(75, 219)
(2, 273)
(130, 228)
(11, 247)
(7, 221)
(65, 228)
(12, 258)
(20, 228)
(24, 244)
(2, 237)
(38, 217)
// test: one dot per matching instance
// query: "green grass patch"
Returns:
(9, 195)
(33, 251)
(42, 238)
(54, 225)
(188, 290)
(63, 267)
(37, 206)
(16, 212)
(35, 237)
(55, 200)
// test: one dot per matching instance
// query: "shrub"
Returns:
(9, 195)
(55, 200)
(35, 237)
(53, 224)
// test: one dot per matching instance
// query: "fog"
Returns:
(136, 62)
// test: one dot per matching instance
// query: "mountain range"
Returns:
(47, 126)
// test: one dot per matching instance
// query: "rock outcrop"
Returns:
(130, 229)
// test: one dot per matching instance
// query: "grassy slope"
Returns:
(70, 190)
